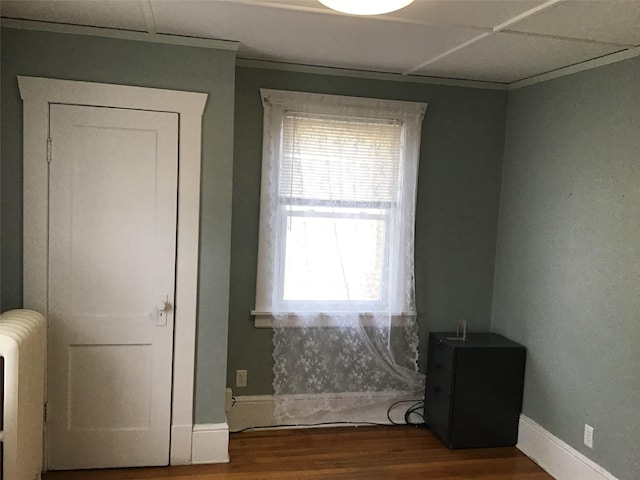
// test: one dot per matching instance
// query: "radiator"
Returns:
(22, 356)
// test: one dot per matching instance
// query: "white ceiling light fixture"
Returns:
(366, 7)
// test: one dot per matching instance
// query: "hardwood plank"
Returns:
(346, 453)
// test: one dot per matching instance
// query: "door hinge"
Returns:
(46, 412)
(49, 150)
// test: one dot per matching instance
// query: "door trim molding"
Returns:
(37, 93)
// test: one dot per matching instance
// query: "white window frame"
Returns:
(276, 103)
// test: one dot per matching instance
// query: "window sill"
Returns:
(325, 320)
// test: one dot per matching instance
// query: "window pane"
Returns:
(333, 259)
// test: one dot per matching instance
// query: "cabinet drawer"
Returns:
(440, 353)
(437, 411)
(439, 377)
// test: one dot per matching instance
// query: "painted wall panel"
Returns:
(568, 257)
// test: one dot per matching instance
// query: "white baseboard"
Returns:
(560, 460)
(251, 411)
(258, 410)
(181, 444)
(210, 443)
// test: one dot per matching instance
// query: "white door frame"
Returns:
(37, 94)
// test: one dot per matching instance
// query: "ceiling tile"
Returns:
(310, 38)
(616, 21)
(472, 13)
(125, 15)
(508, 57)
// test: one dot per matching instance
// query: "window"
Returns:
(337, 204)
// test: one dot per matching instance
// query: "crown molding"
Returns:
(366, 74)
(579, 67)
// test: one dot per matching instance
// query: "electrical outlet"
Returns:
(588, 435)
(241, 378)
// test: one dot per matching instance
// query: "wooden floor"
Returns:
(346, 453)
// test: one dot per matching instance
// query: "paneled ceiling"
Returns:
(503, 41)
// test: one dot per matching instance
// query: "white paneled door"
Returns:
(112, 251)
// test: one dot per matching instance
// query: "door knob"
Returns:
(162, 305)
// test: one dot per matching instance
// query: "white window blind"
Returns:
(337, 158)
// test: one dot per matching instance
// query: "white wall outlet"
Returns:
(241, 378)
(588, 435)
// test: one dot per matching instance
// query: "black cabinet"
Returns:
(473, 395)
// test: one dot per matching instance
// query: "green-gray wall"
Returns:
(74, 57)
(568, 260)
(456, 217)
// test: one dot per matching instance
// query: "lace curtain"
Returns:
(336, 253)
